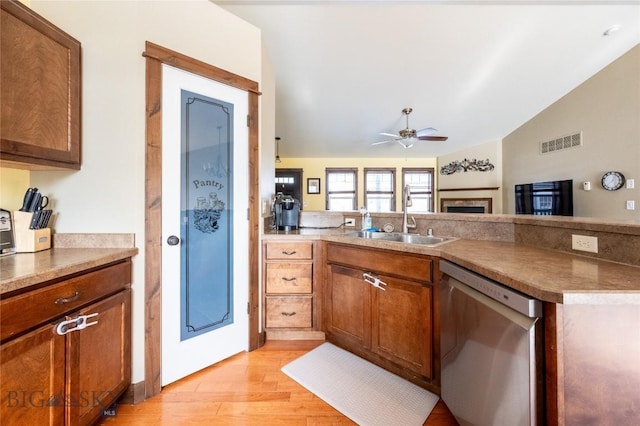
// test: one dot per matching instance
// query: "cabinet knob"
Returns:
(173, 240)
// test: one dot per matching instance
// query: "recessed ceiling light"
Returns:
(612, 29)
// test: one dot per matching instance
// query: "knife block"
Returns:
(29, 240)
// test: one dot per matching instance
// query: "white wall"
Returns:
(491, 151)
(107, 195)
(606, 109)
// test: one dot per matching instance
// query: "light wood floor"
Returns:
(247, 389)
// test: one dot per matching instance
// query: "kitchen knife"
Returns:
(42, 215)
(47, 216)
(35, 219)
(28, 197)
(35, 201)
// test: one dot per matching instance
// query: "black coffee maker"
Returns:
(286, 212)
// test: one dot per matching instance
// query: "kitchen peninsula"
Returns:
(591, 301)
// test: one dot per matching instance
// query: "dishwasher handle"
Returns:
(523, 303)
(523, 321)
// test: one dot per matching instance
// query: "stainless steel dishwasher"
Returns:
(491, 344)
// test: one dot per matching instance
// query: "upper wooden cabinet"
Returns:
(40, 92)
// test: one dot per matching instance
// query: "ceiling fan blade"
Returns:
(433, 138)
(381, 142)
(389, 134)
(426, 131)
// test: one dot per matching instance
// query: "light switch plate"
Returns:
(631, 184)
(631, 205)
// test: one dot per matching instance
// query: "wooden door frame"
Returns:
(156, 56)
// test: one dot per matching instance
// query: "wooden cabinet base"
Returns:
(66, 351)
(389, 324)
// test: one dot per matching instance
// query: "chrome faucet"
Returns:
(406, 202)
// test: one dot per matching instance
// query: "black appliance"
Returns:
(545, 198)
(286, 212)
(7, 245)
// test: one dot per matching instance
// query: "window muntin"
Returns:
(342, 189)
(421, 183)
(379, 189)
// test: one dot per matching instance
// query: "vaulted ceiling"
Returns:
(474, 70)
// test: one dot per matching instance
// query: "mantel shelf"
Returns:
(489, 188)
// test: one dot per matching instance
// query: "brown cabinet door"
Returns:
(98, 359)
(32, 379)
(40, 91)
(348, 307)
(401, 324)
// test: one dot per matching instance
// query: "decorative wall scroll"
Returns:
(467, 165)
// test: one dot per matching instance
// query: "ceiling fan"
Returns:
(408, 136)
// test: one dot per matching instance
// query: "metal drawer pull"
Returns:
(288, 253)
(289, 279)
(374, 281)
(63, 300)
(287, 314)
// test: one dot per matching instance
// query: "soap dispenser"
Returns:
(367, 221)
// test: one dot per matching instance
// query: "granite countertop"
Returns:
(72, 253)
(548, 275)
(305, 233)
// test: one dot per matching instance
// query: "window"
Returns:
(379, 189)
(342, 193)
(421, 184)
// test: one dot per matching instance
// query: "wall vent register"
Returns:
(561, 143)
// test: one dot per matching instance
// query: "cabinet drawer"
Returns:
(405, 265)
(289, 250)
(289, 278)
(282, 312)
(27, 310)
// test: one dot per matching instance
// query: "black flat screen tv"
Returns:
(545, 198)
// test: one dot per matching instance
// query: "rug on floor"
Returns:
(362, 391)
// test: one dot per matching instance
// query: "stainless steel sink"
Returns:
(401, 238)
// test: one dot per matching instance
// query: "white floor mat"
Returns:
(362, 391)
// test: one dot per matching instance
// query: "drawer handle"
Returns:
(288, 253)
(288, 314)
(289, 279)
(63, 300)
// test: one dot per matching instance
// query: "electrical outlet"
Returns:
(631, 205)
(631, 183)
(584, 243)
(349, 222)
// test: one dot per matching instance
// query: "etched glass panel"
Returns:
(206, 267)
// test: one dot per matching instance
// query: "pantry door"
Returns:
(205, 229)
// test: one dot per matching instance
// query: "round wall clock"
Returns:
(612, 181)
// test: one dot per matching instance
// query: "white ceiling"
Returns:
(475, 70)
